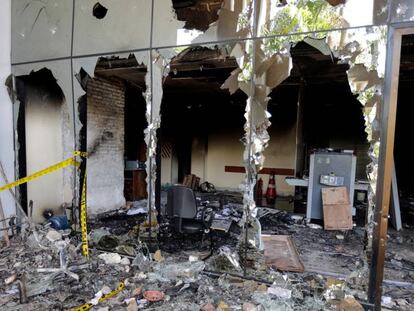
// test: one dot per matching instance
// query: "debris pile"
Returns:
(45, 270)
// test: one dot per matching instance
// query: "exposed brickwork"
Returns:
(105, 140)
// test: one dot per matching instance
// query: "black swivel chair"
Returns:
(182, 211)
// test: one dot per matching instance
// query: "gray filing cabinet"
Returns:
(329, 169)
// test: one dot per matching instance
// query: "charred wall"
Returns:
(42, 143)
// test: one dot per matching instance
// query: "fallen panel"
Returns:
(280, 252)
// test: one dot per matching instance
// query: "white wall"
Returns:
(225, 149)
(44, 147)
(6, 116)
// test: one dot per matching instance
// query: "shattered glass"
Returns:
(365, 52)
(301, 16)
(231, 24)
(124, 27)
(153, 97)
(161, 60)
(88, 65)
(364, 49)
(41, 29)
(401, 10)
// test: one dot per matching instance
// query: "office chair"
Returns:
(183, 212)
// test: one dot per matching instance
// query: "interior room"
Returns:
(206, 155)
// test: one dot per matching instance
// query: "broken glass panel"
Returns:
(95, 80)
(41, 29)
(180, 22)
(363, 49)
(200, 91)
(402, 11)
(86, 65)
(297, 16)
(125, 26)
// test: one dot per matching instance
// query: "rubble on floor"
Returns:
(46, 271)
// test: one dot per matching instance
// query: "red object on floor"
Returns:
(271, 190)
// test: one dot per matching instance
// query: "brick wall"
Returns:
(105, 145)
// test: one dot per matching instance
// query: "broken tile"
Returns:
(53, 235)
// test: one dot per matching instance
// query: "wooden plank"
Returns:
(265, 170)
(385, 162)
(280, 252)
(139, 185)
(335, 195)
(337, 217)
(337, 213)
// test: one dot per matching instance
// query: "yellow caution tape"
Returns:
(83, 223)
(54, 168)
(81, 154)
(89, 305)
(50, 169)
(85, 247)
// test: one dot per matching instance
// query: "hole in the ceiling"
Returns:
(197, 14)
(336, 2)
(99, 11)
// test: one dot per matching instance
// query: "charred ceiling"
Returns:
(127, 69)
(43, 83)
(314, 67)
(200, 68)
(197, 14)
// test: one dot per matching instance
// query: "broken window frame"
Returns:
(386, 159)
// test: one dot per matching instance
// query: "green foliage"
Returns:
(297, 17)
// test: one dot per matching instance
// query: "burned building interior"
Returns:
(222, 167)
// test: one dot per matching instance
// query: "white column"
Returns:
(6, 114)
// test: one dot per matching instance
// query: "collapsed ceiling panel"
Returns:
(111, 33)
(41, 29)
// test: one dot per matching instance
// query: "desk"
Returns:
(300, 182)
